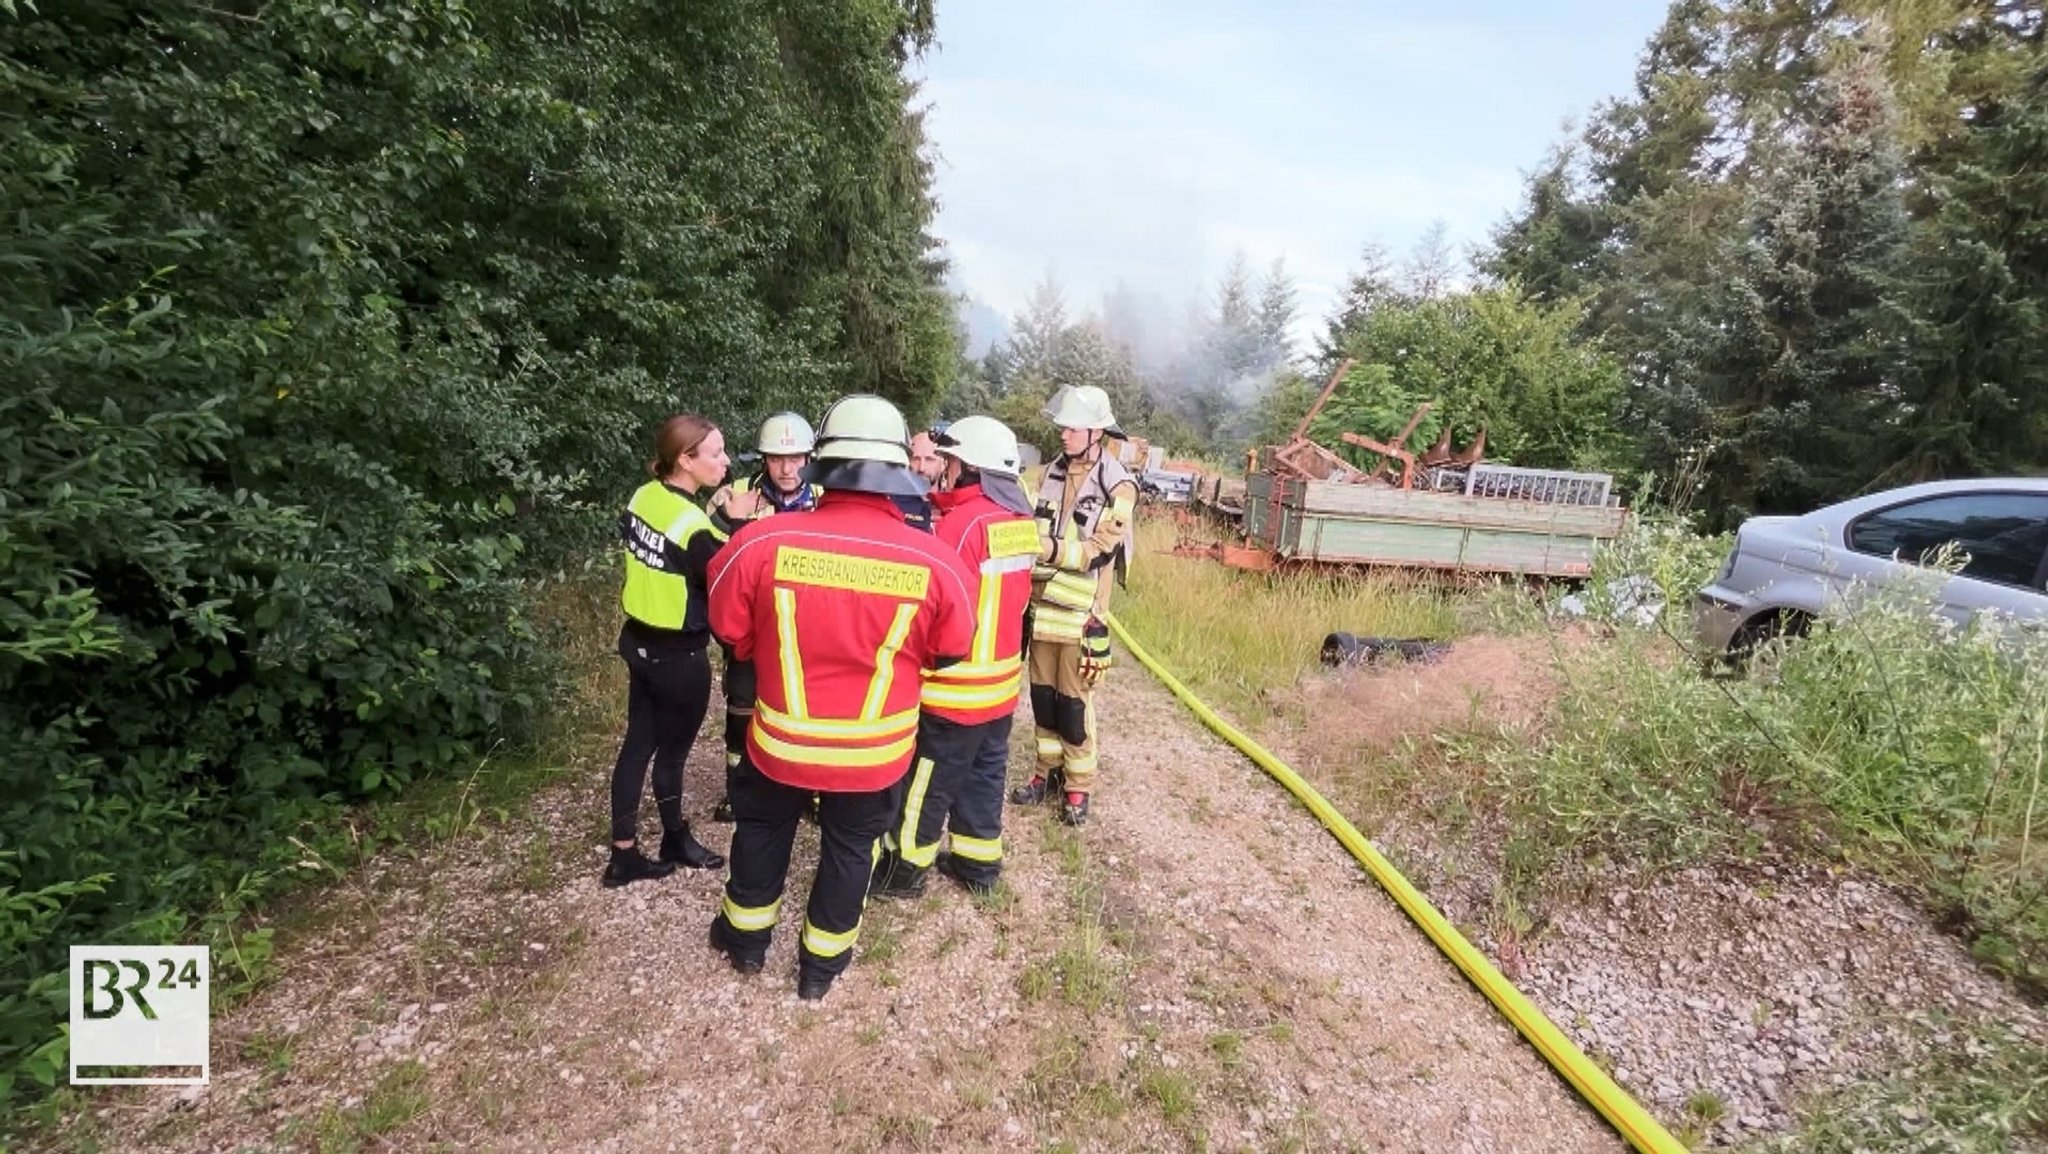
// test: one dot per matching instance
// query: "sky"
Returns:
(1146, 141)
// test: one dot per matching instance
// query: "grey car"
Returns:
(1785, 571)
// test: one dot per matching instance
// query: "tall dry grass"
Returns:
(1232, 634)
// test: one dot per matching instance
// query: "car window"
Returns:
(2005, 534)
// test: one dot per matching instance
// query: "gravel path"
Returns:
(1204, 968)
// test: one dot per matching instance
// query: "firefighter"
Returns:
(1086, 504)
(669, 542)
(841, 611)
(785, 445)
(956, 782)
(925, 459)
(925, 462)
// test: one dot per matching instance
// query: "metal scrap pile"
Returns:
(1440, 468)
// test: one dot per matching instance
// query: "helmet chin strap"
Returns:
(1094, 442)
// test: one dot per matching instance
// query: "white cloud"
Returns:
(1157, 142)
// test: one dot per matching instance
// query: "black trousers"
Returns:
(765, 814)
(739, 686)
(956, 784)
(669, 691)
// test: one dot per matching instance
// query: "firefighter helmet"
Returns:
(864, 428)
(864, 445)
(785, 435)
(1082, 407)
(982, 443)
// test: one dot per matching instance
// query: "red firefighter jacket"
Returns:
(841, 611)
(999, 546)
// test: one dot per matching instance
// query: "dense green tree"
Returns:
(1807, 233)
(327, 327)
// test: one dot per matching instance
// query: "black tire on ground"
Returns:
(1341, 649)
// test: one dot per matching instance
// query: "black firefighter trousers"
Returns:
(765, 814)
(955, 786)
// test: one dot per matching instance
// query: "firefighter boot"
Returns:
(949, 865)
(1040, 787)
(812, 986)
(1075, 810)
(679, 847)
(744, 963)
(896, 878)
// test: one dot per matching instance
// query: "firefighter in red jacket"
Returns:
(841, 611)
(963, 745)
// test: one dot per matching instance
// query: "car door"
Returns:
(2003, 534)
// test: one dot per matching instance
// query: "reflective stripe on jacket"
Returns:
(998, 545)
(669, 541)
(1093, 515)
(841, 611)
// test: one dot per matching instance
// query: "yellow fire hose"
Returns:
(1635, 1124)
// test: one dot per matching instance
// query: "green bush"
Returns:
(1887, 733)
(325, 325)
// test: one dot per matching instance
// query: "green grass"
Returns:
(398, 1097)
(1873, 741)
(1231, 635)
(1983, 1091)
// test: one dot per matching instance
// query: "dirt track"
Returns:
(1203, 969)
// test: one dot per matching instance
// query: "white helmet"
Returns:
(864, 428)
(1082, 407)
(982, 443)
(785, 435)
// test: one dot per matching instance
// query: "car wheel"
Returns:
(1763, 629)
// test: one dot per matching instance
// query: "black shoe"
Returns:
(722, 812)
(1075, 810)
(902, 881)
(812, 987)
(744, 963)
(950, 866)
(629, 865)
(679, 847)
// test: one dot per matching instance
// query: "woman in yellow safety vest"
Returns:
(669, 540)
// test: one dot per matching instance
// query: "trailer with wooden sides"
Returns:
(1296, 519)
(1442, 509)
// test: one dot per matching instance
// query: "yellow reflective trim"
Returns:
(981, 849)
(1053, 624)
(792, 656)
(885, 661)
(1013, 539)
(831, 729)
(825, 943)
(731, 760)
(1080, 763)
(1049, 746)
(1071, 590)
(1071, 554)
(913, 812)
(757, 918)
(836, 756)
(988, 605)
(857, 574)
(972, 696)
